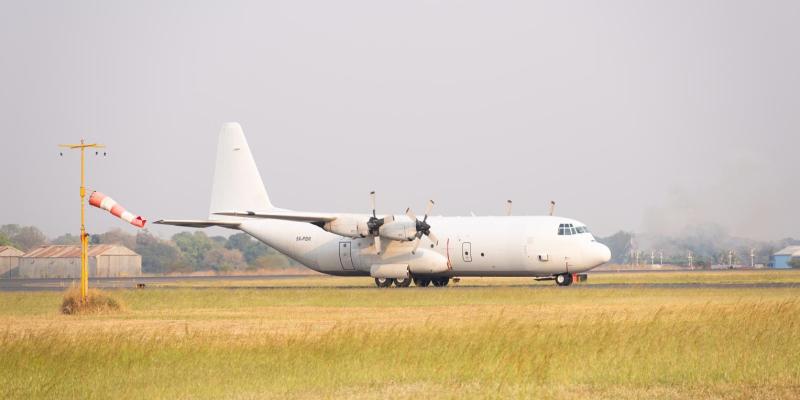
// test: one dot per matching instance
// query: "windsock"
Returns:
(100, 200)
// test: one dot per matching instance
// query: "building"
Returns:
(105, 261)
(9, 261)
(781, 258)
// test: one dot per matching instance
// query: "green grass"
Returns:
(474, 342)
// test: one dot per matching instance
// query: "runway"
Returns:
(272, 282)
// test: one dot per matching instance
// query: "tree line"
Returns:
(195, 251)
(184, 252)
(709, 245)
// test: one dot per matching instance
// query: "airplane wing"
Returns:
(284, 215)
(197, 223)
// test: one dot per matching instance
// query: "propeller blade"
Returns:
(378, 244)
(433, 238)
(372, 201)
(416, 245)
(388, 219)
(428, 209)
(411, 214)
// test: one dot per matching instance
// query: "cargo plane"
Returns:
(394, 249)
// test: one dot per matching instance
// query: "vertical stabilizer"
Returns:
(237, 185)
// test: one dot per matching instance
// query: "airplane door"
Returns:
(466, 251)
(345, 255)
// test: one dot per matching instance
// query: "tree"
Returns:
(251, 249)
(194, 247)
(23, 237)
(67, 239)
(114, 236)
(224, 260)
(794, 262)
(4, 240)
(158, 256)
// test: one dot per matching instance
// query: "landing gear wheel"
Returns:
(421, 282)
(440, 282)
(564, 279)
(384, 282)
(402, 282)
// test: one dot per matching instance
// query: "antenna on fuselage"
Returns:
(509, 203)
(552, 207)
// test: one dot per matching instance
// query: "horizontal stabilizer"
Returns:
(284, 215)
(197, 223)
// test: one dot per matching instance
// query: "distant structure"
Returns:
(105, 261)
(9, 261)
(782, 257)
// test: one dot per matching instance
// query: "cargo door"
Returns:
(346, 255)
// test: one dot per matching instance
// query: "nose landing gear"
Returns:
(563, 279)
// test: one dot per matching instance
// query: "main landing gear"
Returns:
(402, 282)
(384, 282)
(421, 282)
(440, 282)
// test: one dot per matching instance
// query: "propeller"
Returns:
(422, 227)
(374, 223)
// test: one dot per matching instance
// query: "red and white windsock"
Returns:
(100, 200)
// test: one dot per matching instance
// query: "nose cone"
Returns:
(601, 253)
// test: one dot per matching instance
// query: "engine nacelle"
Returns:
(428, 262)
(348, 225)
(399, 230)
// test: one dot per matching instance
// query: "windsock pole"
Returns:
(84, 236)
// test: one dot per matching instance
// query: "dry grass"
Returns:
(473, 342)
(605, 278)
(97, 301)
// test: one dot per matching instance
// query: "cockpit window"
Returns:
(569, 229)
(566, 229)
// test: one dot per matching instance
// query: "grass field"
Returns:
(622, 278)
(354, 341)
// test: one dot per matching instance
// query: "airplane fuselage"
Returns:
(470, 246)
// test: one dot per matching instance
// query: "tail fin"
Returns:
(237, 184)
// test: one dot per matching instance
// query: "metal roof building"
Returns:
(9, 261)
(782, 257)
(105, 261)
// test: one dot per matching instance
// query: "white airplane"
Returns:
(394, 249)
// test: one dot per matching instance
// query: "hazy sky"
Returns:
(636, 115)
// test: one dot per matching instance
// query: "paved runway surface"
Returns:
(130, 283)
(201, 282)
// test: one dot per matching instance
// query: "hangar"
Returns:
(9, 261)
(105, 261)
(781, 258)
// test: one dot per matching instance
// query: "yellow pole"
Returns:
(84, 236)
(84, 244)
